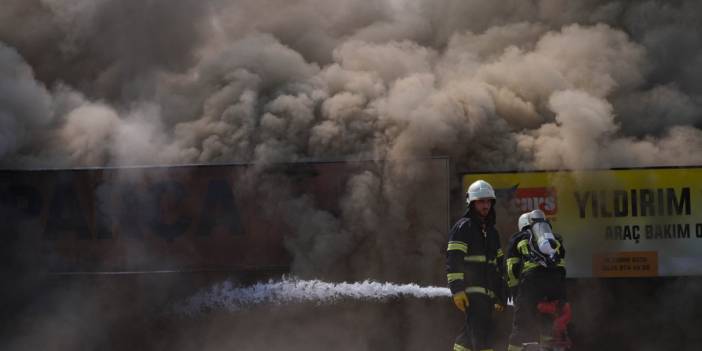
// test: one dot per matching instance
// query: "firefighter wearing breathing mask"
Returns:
(474, 268)
(535, 268)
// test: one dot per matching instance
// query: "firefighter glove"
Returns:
(499, 307)
(460, 299)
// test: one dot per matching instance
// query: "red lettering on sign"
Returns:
(528, 199)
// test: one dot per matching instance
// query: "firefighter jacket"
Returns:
(522, 258)
(474, 259)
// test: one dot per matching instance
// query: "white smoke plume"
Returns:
(228, 297)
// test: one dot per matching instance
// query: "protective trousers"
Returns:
(529, 325)
(475, 335)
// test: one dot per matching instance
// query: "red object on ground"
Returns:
(548, 307)
(562, 315)
(561, 322)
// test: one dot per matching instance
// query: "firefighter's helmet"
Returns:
(523, 221)
(479, 189)
(527, 218)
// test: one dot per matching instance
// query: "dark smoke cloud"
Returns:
(107, 49)
(229, 81)
(25, 102)
(548, 84)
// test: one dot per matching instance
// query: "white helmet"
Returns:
(523, 221)
(480, 189)
(527, 218)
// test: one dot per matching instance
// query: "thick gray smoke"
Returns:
(204, 81)
(495, 85)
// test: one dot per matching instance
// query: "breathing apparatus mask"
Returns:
(545, 240)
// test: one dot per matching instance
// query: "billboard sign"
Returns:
(615, 223)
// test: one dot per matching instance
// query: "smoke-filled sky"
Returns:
(498, 84)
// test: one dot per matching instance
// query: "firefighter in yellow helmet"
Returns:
(474, 264)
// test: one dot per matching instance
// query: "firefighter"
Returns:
(535, 277)
(474, 268)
